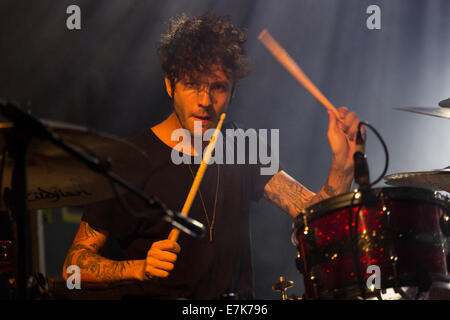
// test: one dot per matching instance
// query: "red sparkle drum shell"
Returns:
(6, 256)
(400, 230)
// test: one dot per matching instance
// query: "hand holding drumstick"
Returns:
(343, 125)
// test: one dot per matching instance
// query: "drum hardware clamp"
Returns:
(299, 263)
(282, 286)
(305, 222)
(444, 222)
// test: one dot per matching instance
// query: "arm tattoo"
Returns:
(291, 196)
(95, 266)
(329, 191)
(92, 264)
(86, 233)
(287, 193)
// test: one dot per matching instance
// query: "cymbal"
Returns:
(435, 112)
(55, 179)
(431, 179)
(445, 103)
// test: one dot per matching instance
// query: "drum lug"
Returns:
(444, 222)
(309, 234)
(299, 263)
(315, 275)
(311, 238)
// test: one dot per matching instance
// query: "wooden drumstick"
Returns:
(198, 177)
(285, 59)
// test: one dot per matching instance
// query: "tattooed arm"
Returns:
(94, 268)
(84, 253)
(291, 196)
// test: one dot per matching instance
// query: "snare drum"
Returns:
(399, 235)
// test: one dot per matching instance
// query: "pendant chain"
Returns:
(210, 224)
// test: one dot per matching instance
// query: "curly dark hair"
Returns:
(193, 46)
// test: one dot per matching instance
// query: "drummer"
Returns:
(202, 58)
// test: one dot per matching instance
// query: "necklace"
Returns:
(210, 224)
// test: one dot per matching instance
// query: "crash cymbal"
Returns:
(435, 112)
(445, 103)
(56, 179)
(432, 179)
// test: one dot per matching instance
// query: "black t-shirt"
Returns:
(204, 269)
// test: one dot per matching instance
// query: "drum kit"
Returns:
(401, 232)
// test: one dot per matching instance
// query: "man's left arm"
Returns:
(291, 196)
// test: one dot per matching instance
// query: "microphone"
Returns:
(445, 103)
(361, 168)
(184, 223)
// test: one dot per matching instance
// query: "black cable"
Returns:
(366, 124)
(354, 231)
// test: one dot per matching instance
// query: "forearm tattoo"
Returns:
(328, 190)
(338, 182)
(93, 266)
(287, 193)
(292, 197)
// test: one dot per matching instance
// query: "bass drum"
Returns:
(359, 244)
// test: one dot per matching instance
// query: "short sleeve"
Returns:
(111, 216)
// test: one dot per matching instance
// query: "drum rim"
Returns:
(352, 290)
(320, 209)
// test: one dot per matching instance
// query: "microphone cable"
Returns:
(386, 153)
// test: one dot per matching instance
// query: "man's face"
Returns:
(202, 99)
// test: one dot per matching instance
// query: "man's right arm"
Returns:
(94, 268)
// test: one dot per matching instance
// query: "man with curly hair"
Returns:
(202, 58)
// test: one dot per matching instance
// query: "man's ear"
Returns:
(169, 88)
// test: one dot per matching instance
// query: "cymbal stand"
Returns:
(16, 199)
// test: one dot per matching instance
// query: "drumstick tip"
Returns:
(262, 33)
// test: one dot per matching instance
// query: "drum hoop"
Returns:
(371, 196)
(351, 290)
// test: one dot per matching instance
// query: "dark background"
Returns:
(106, 76)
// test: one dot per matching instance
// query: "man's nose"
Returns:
(204, 97)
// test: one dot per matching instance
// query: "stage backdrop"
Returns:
(106, 76)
